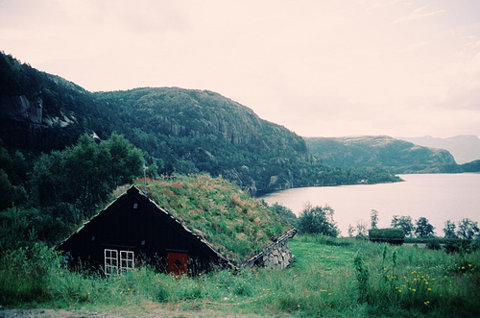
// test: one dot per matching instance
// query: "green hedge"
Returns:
(389, 235)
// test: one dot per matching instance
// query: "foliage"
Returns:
(286, 213)
(361, 230)
(423, 228)
(317, 220)
(350, 230)
(388, 233)
(434, 245)
(404, 223)
(25, 273)
(461, 246)
(82, 176)
(19, 226)
(179, 130)
(325, 280)
(449, 229)
(236, 224)
(362, 277)
(395, 155)
(13, 172)
(468, 229)
(373, 219)
(64, 187)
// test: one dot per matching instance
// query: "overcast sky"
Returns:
(319, 68)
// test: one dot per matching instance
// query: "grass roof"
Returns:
(235, 224)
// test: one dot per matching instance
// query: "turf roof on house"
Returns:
(235, 224)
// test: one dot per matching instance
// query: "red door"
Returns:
(177, 263)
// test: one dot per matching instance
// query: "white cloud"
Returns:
(418, 14)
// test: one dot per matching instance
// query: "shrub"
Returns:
(463, 246)
(434, 245)
(25, 273)
(317, 220)
(362, 278)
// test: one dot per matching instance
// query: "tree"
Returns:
(350, 230)
(69, 185)
(361, 229)
(286, 213)
(125, 162)
(449, 229)
(467, 229)
(317, 220)
(423, 228)
(404, 223)
(374, 218)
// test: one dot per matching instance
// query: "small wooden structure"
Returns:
(135, 230)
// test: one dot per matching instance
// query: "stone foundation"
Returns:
(278, 257)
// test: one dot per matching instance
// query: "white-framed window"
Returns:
(111, 262)
(126, 261)
(118, 263)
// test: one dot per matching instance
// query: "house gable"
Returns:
(206, 221)
(135, 223)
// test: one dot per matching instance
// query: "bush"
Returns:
(463, 246)
(434, 245)
(388, 235)
(317, 220)
(25, 273)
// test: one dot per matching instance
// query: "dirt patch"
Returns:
(151, 312)
(54, 313)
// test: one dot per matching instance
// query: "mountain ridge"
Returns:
(179, 130)
(465, 148)
(397, 155)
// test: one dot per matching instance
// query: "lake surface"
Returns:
(438, 197)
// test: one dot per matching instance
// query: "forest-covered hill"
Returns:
(465, 148)
(178, 130)
(398, 156)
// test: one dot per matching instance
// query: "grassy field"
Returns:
(331, 278)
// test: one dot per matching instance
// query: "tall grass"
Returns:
(331, 277)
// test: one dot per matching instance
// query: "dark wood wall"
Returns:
(144, 229)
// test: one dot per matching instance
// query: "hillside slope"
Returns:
(191, 130)
(380, 151)
(179, 130)
(464, 148)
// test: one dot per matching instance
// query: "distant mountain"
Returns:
(179, 130)
(396, 155)
(464, 148)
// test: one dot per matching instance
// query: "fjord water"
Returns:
(438, 197)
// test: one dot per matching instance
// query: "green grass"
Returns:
(398, 281)
(236, 224)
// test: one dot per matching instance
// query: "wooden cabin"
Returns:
(188, 233)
